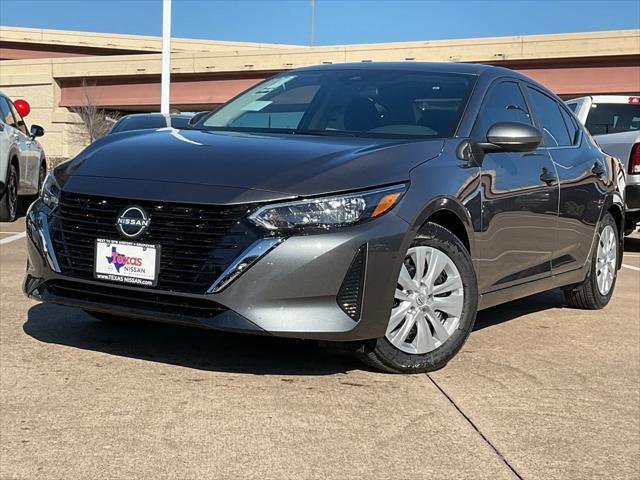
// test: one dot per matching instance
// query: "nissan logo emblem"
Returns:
(132, 222)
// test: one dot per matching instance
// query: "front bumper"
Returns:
(291, 291)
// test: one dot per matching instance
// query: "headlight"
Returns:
(328, 212)
(50, 191)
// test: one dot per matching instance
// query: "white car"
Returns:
(614, 121)
(23, 165)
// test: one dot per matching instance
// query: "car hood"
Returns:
(234, 167)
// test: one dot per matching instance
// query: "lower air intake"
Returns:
(350, 294)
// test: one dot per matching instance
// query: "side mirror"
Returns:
(511, 137)
(36, 131)
(196, 118)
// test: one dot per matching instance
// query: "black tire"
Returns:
(586, 295)
(9, 200)
(383, 355)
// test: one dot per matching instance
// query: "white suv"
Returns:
(23, 166)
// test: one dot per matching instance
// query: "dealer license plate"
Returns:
(127, 262)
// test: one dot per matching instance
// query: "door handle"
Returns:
(548, 177)
(598, 169)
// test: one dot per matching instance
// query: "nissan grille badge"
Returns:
(133, 222)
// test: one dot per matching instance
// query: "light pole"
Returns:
(313, 22)
(166, 57)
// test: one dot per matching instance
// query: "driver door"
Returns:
(519, 200)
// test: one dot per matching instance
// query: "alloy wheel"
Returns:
(12, 194)
(428, 301)
(606, 259)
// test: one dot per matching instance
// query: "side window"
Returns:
(503, 103)
(570, 123)
(548, 112)
(19, 123)
(5, 112)
(572, 107)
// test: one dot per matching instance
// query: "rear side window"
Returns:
(570, 123)
(503, 103)
(548, 112)
(19, 122)
(613, 118)
(5, 112)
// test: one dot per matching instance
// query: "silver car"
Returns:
(23, 165)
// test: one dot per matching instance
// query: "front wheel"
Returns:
(434, 306)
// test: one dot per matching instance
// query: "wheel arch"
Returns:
(14, 160)
(614, 205)
(449, 213)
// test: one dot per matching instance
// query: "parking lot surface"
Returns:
(540, 391)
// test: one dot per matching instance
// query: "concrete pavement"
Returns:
(539, 391)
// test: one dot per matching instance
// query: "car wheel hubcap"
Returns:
(606, 260)
(428, 301)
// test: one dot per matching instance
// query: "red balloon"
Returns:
(23, 107)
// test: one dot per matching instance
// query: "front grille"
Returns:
(197, 241)
(147, 301)
(350, 294)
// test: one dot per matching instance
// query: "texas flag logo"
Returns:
(119, 260)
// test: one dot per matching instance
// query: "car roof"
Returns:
(438, 67)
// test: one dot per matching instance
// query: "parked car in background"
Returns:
(144, 121)
(23, 165)
(377, 204)
(614, 121)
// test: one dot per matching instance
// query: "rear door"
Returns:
(520, 199)
(579, 171)
(29, 164)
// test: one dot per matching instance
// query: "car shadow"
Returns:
(632, 244)
(518, 308)
(213, 350)
(185, 346)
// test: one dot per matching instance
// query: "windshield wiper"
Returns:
(324, 133)
(286, 131)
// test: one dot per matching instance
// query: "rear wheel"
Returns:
(9, 201)
(434, 307)
(596, 291)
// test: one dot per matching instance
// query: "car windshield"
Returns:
(377, 103)
(613, 118)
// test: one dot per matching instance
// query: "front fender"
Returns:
(444, 184)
